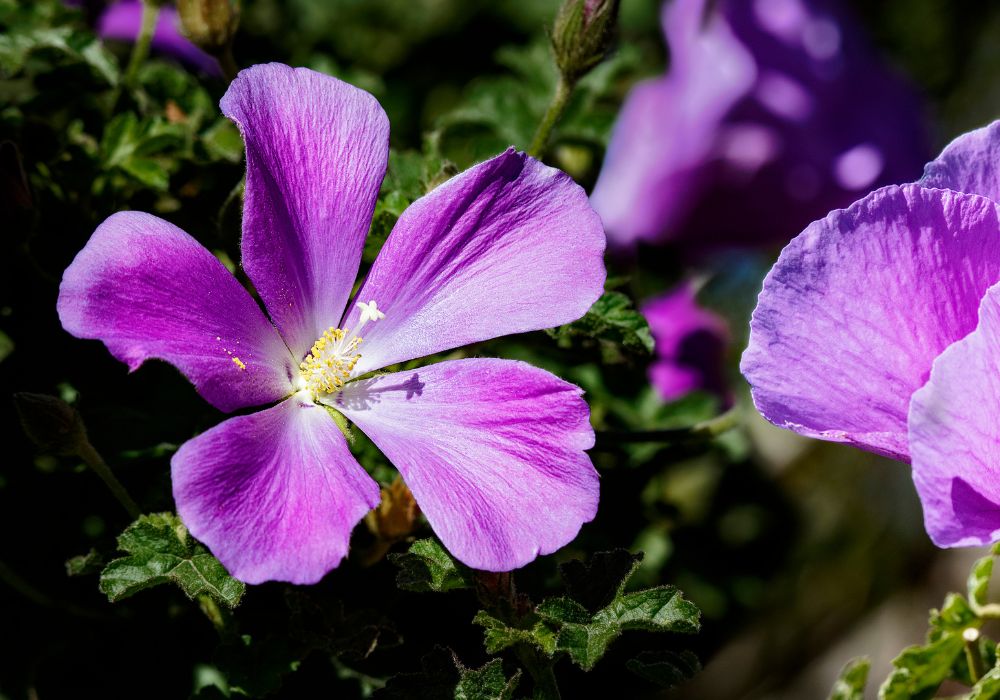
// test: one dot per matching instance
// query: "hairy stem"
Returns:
(92, 459)
(140, 50)
(564, 89)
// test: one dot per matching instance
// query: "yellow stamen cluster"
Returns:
(330, 362)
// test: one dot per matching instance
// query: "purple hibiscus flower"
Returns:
(690, 344)
(493, 450)
(772, 113)
(122, 21)
(879, 326)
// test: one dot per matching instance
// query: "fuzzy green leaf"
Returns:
(427, 566)
(487, 683)
(613, 324)
(988, 687)
(83, 564)
(161, 551)
(979, 582)
(850, 685)
(585, 638)
(919, 670)
(500, 636)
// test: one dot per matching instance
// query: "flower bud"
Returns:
(581, 35)
(50, 422)
(209, 24)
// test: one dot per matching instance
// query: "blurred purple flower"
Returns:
(772, 113)
(879, 326)
(493, 450)
(690, 345)
(122, 21)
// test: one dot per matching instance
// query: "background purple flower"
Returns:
(493, 450)
(122, 21)
(690, 345)
(772, 113)
(878, 326)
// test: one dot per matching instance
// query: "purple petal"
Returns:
(690, 345)
(953, 437)
(970, 163)
(508, 246)
(122, 21)
(783, 146)
(275, 494)
(149, 290)
(317, 150)
(858, 306)
(493, 451)
(666, 131)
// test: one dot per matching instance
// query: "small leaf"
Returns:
(83, 564)
(661, 609)
(979, 582)
(596, 583)
(161, 551)
(919, 670)
(427, 566)
(499, 636)
(437, 680)
(988, 687)
(614, 324)
(850, 685)
(487, 683)
(666, 669)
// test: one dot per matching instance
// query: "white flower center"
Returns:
(331, 360)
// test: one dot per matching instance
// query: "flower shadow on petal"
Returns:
(366, 393)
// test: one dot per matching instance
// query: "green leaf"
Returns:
(586, 637)
(666, 669)
(596, 583)
(83, 564)
(427, 566)
(613, 324)
(436, 680)
(979, 582)
(160, 550)
(499, 636)
(988, 687)
(850, 685)
(953, 617)
(919, 670)
(487, 683)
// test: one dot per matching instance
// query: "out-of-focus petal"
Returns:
(317, 150)
(508, 246)
(690, 344)
(493, 451)
(149, 290)
(954, 435)
(122, 21)
(275, 494)
(970, 163)
(666, 132)
(858, 306)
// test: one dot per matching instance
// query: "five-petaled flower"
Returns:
(879, 326)
(493, 450)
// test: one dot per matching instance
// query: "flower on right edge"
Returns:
(879, 326)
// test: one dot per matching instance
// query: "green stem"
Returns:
(140, 50)
(228, 64)
(540, 669)
(217, 616)
(977, 669)
(564, 89)
(711, 428)
(92, 459)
